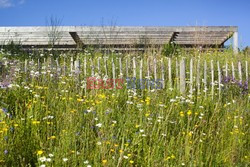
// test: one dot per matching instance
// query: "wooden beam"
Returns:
(77, 39)
(173, 37)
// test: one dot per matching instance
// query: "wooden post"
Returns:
(64, 66)
(191, 77)
(98, 66)
(134, 68)
(148, 68)
(113, 71)
(85, 67)
(212, 78)
(51, 63)
(162, 73)
(148, 73)
(240, 72)
(219, 76)
(105, 66)
(58, 68)
(127, 67)
(155, 69)
(205, 76)
(120, 67)
(45, 64)
(92, 68)
(246, 71)
(233, 73)
(141, 68)
(169, 73)
(182, 77)
(71, 64)
(77, 67)
(177, 74)
(226, 69)
(198, 77)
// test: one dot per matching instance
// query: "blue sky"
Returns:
(130, 13)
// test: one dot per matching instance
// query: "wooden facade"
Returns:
(116, 37)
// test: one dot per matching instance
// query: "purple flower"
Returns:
(5, 110)
(6, 152)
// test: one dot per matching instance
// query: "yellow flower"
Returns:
(73, 111)
(131, 161)
(39, 152)
(52, 137)
(121, 151)
(172, 156)
(5, 129)
(189, 112)
(102, 96)
(35, 122)
(104, 161)
(16, 125)
(80, 100)
(182, 114)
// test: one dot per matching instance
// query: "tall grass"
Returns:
(52, 121)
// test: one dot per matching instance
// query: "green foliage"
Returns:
(13, 48)
(171, 49)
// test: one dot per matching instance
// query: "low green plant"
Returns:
(171, 49)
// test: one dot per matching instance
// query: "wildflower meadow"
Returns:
(198, 117)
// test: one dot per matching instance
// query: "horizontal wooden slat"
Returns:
(37, 42)
(198, 42)
(200, 39)
(123, 28)
(123, 42)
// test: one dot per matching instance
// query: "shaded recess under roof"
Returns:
(116, 37)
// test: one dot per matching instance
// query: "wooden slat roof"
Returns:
(116, 35)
